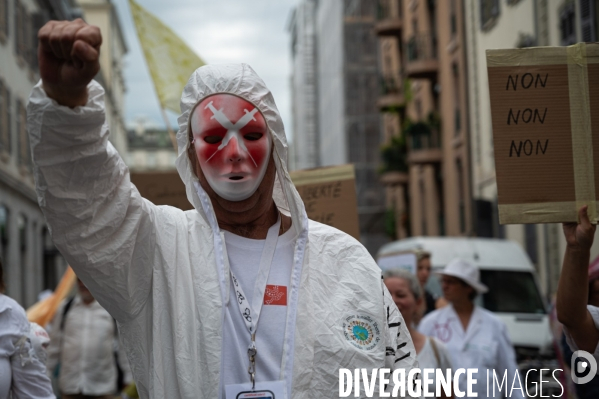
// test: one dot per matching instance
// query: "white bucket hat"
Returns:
(466, 271)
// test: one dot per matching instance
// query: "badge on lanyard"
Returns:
(263, 390)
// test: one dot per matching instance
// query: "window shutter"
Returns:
(567, 25)
(3, 119)
(5, 130)
(23, 42)
(489, 10)
(25, 138)
(8, 119)
(38, 20)
(587, 20)
(17, 7)
(4, 17)
(20, 151)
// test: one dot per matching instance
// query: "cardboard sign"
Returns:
(162, 188)
(406, 261)
(329, 195)
(545, 114)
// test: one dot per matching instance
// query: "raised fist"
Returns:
(580, 235)
(68, 55)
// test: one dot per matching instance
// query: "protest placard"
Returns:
(545, 115)
(329, 195)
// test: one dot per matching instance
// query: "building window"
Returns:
(3, 20)
(3, 234)
(23, 153)
(22, 228)
(4, 118)
(456, 99)
(588, 20)
(489, 12)
(567, 19)
(4, 241)
(453, 23)
(24, 38)
(360, 8)
(461, 196)
(19, 29)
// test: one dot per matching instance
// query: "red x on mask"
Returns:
(232, 145)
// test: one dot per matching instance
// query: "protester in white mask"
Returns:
(243, 281)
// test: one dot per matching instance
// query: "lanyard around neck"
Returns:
(251, 313)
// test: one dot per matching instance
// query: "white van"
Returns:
(514, 294)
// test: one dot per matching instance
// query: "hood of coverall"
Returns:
(240, 80)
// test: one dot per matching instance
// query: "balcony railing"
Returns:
(425, 141)
(425, 135)
(391, 92)
(391, 84)
(421, 47)
(389, 16)
(394, 156)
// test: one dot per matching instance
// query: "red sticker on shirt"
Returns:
(275, 295)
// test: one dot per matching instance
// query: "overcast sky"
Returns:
(219, 31)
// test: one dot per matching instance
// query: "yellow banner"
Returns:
(169, 59)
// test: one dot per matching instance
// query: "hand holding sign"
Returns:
(580, 235)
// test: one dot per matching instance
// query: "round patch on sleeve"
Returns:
(362, 331)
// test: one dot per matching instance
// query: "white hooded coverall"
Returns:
(162, 273)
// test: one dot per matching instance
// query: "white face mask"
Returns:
(232, 144)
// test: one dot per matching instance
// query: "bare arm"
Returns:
(572, 292)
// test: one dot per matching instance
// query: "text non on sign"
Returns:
(543, 112)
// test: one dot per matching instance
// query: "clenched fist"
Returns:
(68, 55)
(580, 235)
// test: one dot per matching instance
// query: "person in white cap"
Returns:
(201, 311)
(474, 337)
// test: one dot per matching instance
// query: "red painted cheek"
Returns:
(208, 151)
(205, 152)
(258, 152)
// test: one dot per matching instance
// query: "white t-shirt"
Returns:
(427, 359)
(244, 260)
